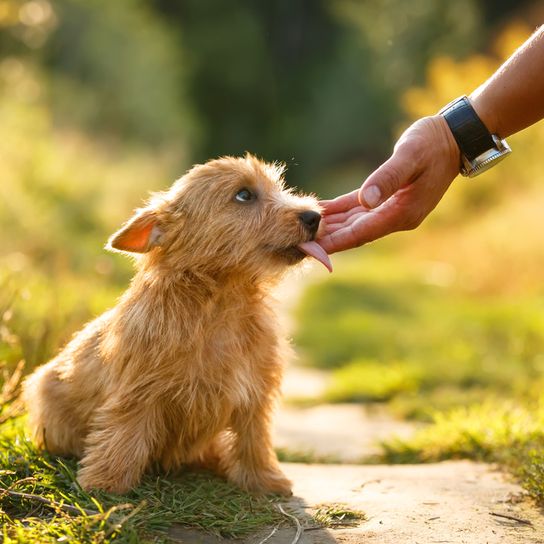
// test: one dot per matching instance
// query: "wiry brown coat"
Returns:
(187, 366)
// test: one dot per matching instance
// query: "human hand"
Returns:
(400, 193)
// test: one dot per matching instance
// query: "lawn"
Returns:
(40, 501)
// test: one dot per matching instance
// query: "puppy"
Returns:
(186, 368)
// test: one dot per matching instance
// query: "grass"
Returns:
(508, 433)
(288, 455)
(362, 380)
(337, 516)
(40, 501)
(393, 336)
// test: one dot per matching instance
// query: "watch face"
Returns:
(484, 162)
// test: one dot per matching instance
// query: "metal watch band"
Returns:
(467, 128)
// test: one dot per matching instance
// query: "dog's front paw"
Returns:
(89, 480)
(265, 481)
(275, 482)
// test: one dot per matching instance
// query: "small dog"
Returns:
(186, 368)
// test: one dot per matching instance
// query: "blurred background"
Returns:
(103, 101)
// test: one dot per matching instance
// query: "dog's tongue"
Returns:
(313, 249)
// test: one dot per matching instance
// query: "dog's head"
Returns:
(228, 214)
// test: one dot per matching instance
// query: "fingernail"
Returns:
(372, 195)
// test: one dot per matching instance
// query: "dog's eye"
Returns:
(244, 195)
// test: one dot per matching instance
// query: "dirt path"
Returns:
(347, 433)
(458, 502)
(453, 502)
(344, 433)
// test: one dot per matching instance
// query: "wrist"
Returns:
(486, 112)
(451, 149)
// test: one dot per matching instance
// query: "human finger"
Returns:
(343, 216)
(398, 171)
(366, 228)
(337, 225)
(341, 203)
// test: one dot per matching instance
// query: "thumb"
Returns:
(399, 170)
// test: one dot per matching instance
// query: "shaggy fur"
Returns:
(185, 369)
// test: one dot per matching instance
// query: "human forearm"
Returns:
(513, 98)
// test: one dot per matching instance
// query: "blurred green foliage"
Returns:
(115, 67)
(313, 83)
(391, 333)
(62, 194)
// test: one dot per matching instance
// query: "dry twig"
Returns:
(273, 532)
(297, 524)
(512, 518)
(48, 502)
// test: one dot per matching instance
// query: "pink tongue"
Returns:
(313, 249)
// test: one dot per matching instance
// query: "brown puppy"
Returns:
(185, 369)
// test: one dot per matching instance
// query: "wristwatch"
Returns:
(480, 150)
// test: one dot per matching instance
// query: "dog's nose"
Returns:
(310, 220)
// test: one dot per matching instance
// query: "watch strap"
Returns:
(467, 128)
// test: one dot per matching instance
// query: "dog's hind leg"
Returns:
(51, 417)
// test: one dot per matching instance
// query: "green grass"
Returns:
(363, 380)
(40, 501)
(289, 455)
(508, 433)
(337, 515)
(389, 335)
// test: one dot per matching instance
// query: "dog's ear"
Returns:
(139, 234)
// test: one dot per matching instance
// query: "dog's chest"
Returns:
(229, 359)
(230, 356)
(207, 404)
